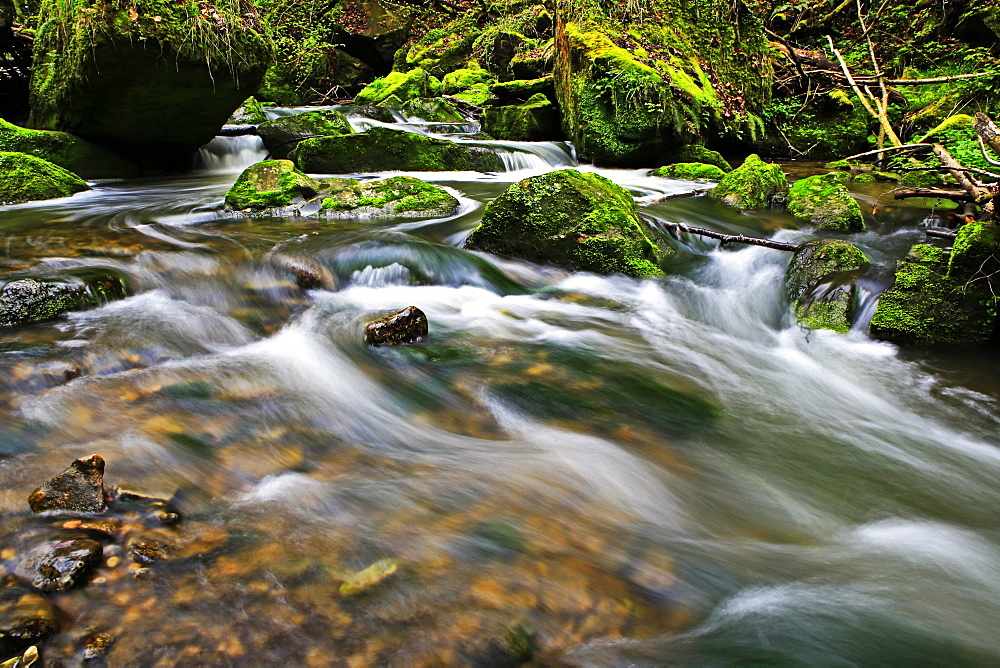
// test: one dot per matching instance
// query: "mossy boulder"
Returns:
(282, 134)
(271, 184)
(61, 148)
(824, 201)
(397, 196)
(690, 171)
(697, 153)
(403, 85)
(433, 109)
(927, 303)
(976, 249)
(151, 80)
(819, 283)
(520, 90)
(535, 120)
(752, 185)
(27, 178)
(577, 220)
(384, 149)
(469, 84)
(250, 113)
(28, 300)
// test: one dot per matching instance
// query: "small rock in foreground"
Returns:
(26, 660)
(79, 488)
(403, 326)
(60, 565)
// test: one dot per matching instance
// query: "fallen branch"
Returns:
(676, 229)
(933, 193)
(909, 148)
(236, 130)
(940, 234)
(866, 78)
(879, 115)
(667, 198)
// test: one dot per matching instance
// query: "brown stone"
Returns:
(79, 488)
(403, 326)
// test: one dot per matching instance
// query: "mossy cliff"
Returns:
(819, 284)
(637, 80)
(824, 201)
(151, 79)
(576, 220)
(27, 178)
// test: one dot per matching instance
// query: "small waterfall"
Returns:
(543, 155)
(230, 154)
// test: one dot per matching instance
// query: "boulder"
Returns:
(819, 286)
(404, 326)
(404, 196)
(79, 488)
(27, 178)
(151, 80)
(469, 84)
(282, 134)
(535, 120)
(30, 300)
(380, 114)
(250, 113)
(577, 220)
(697, 153)
(403, 85)
(26, 619)
(521, 90)
(77, 155)
(271, 184)
(363, 581)
(383, 149)
(433, 109)
(689, 171)
(824, 201)
(752, 185)
(60, 565)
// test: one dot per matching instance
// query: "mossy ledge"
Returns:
(576, 220)
(77, 155)
(27, 178)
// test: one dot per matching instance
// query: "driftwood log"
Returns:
(676, 229)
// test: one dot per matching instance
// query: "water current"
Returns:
(596, 470)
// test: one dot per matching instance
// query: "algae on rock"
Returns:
(577, 220)
(403, 85)
(824, 201)
(819, 283)
(752, 185)
(402, 196)
(27, 178)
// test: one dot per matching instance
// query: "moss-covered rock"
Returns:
(464, 79)
(929, 304)
(30, 300)
(27, 178)
(77, 155)
(384, 149)
(819, 284)
(403, 85)
(752, 185)
(824, 201)
(523, 89)
(697, 153)
(250, 113)
(578, 220)
(690, 171)
(535, 120)
(271, 184)
(629, 89)
(152, 80)
(433, 109)
(398, 196)
(282, 134)
(976, 250)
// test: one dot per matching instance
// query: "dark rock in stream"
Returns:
(60, 565)
(30, 300)
(25, 620)
(79, 488)
(403, 326)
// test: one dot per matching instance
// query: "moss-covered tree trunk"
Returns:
(151, 79)
(635, 80)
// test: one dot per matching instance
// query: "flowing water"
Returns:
(596, 470)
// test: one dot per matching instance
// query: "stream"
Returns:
(610, 471)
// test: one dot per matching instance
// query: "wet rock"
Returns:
(573, 219)
(249, 113)
(403, 196)
(513, 646)
(25, 620)
(363, 581)
(308, 274)
(158, 507)
(26, 660)
(403, 326)
(433, 109)
(156, 545)
(79, 156)
(282, 134)
(79, 488)
(753, 185)
(97, 645)
(813, 264)
(535, 120)
(30, 300)
(824, 201)
(61, 565)
(380, 114)
(383, 149)
(27, 178)
(270, 184)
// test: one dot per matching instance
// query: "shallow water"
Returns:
(606, 470)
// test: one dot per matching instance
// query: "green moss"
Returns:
(72, 153)
(465, 78)
(577, 220)
(698, 153)
(535, 120)
(752, 185)
(864, 178)
(824, 201)
(960, 121)
(384, 149)
(476, 94)
(281, 134)
(821, 295)
(27, 178)
(250, 113)
(433, 109)
(398, 195)
(976, 250)
(403, 85)
(522, 89)
(921, 179)
(271, 184)
(690, 171)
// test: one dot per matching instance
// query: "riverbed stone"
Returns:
(404, 196)
(825, 201)
(403, 326)
(573, 219)
(387, 149)
(166, 544)
(752, 185)
(26, 619)
(282, 134)
(814, 262)
(30, 300)
(60, 565)
(79, 488)
(270, 184)
(690, 171)
(534, 120)
(367, 579)
(27, 178)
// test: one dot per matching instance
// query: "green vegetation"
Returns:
(403, 85)
(752, 185)
(690, 171)
(398, 195)
(72, 153)
(27, 178)
(824, 201)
